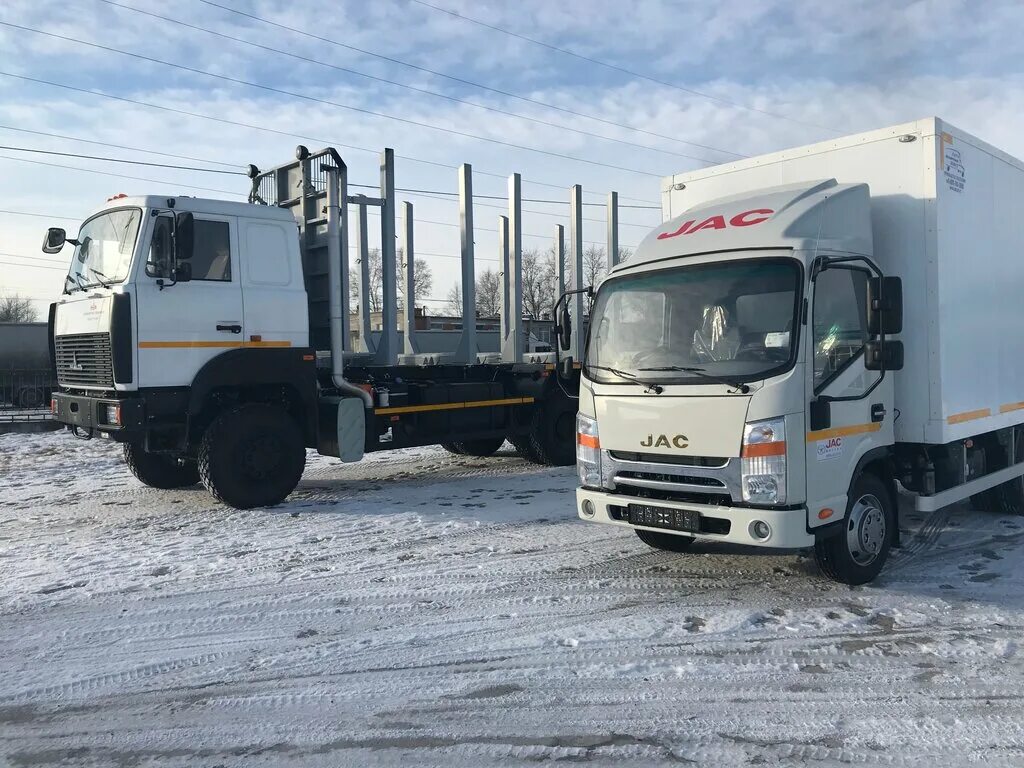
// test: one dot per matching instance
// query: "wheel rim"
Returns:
(261, 457)
(866, 530)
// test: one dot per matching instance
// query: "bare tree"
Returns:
(539, 281)
(453, 301)
(488, 294)
(594, 265)
(423, 280)
(17, 309)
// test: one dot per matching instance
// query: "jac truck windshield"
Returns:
(106, 243)
(732, 321)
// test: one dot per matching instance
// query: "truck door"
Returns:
(183, 325)
(859, 401)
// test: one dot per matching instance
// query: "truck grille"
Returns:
(84, 360)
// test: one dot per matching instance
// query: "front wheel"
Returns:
(159, 470)
(669, 542)
(856, 554)
(252, 456)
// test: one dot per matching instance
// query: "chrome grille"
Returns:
(84, 360)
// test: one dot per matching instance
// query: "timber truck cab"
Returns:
(741, 380)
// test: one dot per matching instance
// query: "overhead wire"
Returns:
(617, 68)
(464, 81)
(331, 103)
(406, 86)
(275, 131)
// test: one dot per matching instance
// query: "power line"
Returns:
(617, 68)
(328, 102)
(32, 258)
(265, 129)
(34, 266)
(463, 81)
(426, 91)
(118, 160)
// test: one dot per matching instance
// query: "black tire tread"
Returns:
(667, 542)
(831, 553)
(485, 446)
(159, 470)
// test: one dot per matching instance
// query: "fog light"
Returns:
(113, 414)
(760, 530)
(588, 508)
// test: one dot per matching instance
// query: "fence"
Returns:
(25, 395)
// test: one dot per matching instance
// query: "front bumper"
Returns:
(88, 413)
(730, 524)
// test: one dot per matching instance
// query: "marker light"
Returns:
(763, 462)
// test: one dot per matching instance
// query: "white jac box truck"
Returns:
(806, 332)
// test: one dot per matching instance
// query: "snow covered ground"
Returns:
(423, 609)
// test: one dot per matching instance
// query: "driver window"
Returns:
(840, 321)
(159, 262)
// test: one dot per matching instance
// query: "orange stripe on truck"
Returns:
(210, 344)
(960, 418)
(853, 429)
(1010, 407)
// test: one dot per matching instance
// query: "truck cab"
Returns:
(735, 386)
(175, 312)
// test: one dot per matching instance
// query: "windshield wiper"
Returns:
(743, 388)
(100, 276)
(652, 386)
(78, 280)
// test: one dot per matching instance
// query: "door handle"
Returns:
(877, 412)
(233, 327)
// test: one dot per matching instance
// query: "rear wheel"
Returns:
(1007, 498)
(455, 448)
(856, 554)
(486, 446)
(669, 542)
(553, 430)
(252, 456)
(159, 470)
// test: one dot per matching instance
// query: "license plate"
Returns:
(664, 517)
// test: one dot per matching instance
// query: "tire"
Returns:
(524, 447)
(455, 448)
(553, 430)
(252, 456)
(159, 470)
(486, 446)
(855, 555)
(1004, 499)
(31, 397)
(669, 542)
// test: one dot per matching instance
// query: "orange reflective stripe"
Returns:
(210, 344)
(853, 429)
(588, 441)
(763, 449)
(960, 418)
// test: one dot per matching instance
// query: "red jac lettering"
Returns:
(744, 219)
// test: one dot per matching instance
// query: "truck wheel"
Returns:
(455, 448)
(486, 446)
(1005, 499)
(31, 397)
(252, 456)
(524, 447)
(553, 430)
(856, 554)
(159, 470)
(669, 542)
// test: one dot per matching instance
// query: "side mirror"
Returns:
(184, 236)
(182, 272)
(54, 240)
(885, 306)
(883, 356)
(564, 328)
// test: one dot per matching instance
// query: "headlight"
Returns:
(588, 451)
(763, 463)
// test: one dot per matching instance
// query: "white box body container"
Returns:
(947, 215)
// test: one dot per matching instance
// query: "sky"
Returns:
(609, 95)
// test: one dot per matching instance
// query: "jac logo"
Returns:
(745, 219)
(664, 441)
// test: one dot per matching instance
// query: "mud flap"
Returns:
(351, 429)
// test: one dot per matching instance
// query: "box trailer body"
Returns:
(945, 217)
(805, 331)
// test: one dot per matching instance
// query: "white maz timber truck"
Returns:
(212, 338)
(807, 332)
